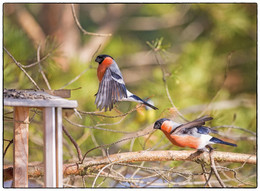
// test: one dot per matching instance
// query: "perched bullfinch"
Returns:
(192, 134)
(111, 85)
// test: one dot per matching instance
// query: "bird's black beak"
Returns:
(158, 123)
(98, 59)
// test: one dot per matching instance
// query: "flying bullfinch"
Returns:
(111, 85)
(192, 134)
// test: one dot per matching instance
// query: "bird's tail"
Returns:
(216, 140)
(138, 99)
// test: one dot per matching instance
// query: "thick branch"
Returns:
(94, 163)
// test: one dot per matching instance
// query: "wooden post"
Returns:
(59, 153)
(20, 151)
(52, 112)
(49, 147)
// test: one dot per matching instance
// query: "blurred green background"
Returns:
(207, 51)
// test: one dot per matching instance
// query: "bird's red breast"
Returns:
(179, 140)
(166, 127)
(103, 66)
(183, 141)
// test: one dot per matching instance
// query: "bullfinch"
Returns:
(192, 134)
(111, 85)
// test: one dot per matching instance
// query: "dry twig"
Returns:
(94, 127)
(156, 48)
(19, 65)
(81, 28)
(213, 167)
(129, 157)
(103, 146)
(37, 62)
(73, 142)
(9, 144)
(40, 68)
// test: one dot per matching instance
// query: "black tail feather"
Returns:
(144, 102)
(149, 105)
(216, 140)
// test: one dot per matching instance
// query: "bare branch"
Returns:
(80, 27)
(156, 48)
(75, 79)
(95, 163)
(73, 142)
(234, 127)
(83, 72)
(9, 144)
(36, 63)
(98, 128)
(121, 140)
(110, 116)
(19, 65)
(213, 167)
(205, 175)
(40, 68)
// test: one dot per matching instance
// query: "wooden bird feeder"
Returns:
(52, 107)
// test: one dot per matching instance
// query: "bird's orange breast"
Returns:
(103, 66)
(184, 141)
(166, 127)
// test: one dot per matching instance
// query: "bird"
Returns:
(192, 134)
(112, 87)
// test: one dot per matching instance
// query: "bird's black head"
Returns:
(101, 57)
(158, 123)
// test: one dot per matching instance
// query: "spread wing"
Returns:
(198, 123)
(111, 89)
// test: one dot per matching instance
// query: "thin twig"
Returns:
(102, 146)
(234, 127)
(213, 167)
(110, 124)
(98, 128)
(155, 50)
(207, 178)
(235, 174)
(94, 182)
(73, 142)
(40, 68)
(36, 63)
(75, 79)
(110, 116)
(96, 143)
(9, 144)
(81, 28)
(83, 72)
(19, 65)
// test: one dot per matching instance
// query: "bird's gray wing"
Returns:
(188, 126)
(110, 90)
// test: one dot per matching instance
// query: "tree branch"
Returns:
(40, 68)
(81, 28)
(19, 65)
(129, 157)
(73, 142)
(156, 47)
